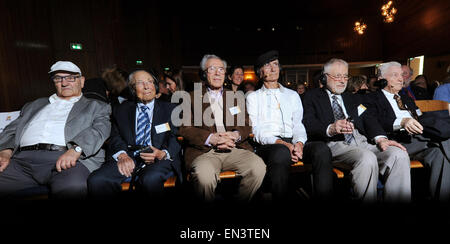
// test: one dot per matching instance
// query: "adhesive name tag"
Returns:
(235, 110)
(361, 109)
(162, 128)
(418, 112)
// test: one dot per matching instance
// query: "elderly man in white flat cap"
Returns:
(56, 141)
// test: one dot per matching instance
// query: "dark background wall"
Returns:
(36, 33)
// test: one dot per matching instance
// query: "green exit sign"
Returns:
(76, 46)
(139, 62)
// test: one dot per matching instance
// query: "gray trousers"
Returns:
(433, 156)
(29, 169)
(206, 168)
(367, 162)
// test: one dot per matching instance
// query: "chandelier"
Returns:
(388, 11)
(360, 27)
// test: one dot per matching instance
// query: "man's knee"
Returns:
(203, 173)
(367, 160)
(279, 155)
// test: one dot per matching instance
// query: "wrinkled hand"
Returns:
(384, 143)
(298, 150)
(341, 127)
(5, 156)
(150, 157)
(292, 150)
(125, 164)
(222, 141)
(412, 126)
(67, 160)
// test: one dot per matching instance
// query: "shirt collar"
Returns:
(388, 94)
(54, 98)
(149, 105)
(267, 90)
(331, 94)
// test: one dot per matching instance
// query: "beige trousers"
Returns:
(206, 168)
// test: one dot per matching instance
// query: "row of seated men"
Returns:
(57, 140)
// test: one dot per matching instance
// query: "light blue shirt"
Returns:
(442, 92)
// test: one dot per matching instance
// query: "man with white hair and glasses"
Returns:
(356, 140)
(402, 121)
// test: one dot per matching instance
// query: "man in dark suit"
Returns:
(136, 124)
(56, 141)
(340, 119)
(399, 116)
(216, 139)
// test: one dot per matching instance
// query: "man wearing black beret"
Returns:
(276, 114)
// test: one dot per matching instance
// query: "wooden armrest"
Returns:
(298, 164)
(180, 138)
(338, 173)
(227, 174)
(170, 182)
(125, 186)
(416, 164)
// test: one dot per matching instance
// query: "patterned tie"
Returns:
(339, 115)
(143, 127)
(403, 107)
(399, 102)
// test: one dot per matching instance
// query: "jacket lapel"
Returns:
(76, 109)
(324, 100)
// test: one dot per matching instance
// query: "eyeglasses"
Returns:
(141, 83)
(69, 78)
(214, 69)
(338, 76)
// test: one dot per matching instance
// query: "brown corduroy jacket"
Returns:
(196, 136)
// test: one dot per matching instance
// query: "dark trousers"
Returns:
(106, 181)
(318, 154)
(278, 160)
(28, 169)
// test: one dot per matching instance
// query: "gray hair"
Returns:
(326, 66)
(385, 66)
(206, 57)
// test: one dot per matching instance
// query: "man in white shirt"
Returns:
(276, 115)
(56, 141)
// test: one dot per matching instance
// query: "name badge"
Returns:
(235, 110)
(418, 112)
(361, 109)
(162, 128)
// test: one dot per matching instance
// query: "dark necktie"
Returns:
(339, 115)
(403, 107)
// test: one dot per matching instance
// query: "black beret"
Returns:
(265, 58)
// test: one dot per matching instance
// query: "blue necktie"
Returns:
(143, 127)
(338, 115)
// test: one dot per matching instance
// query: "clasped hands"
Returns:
(341, 127)
(224, 140)
(126, 164)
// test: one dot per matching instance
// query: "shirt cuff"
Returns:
(378, 137)
(167, 157)
(397, 125)
(328, 128)
(116, 155)
(207, 140)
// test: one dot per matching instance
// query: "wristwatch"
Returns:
(77, 148)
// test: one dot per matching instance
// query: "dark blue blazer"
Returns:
(318, 114)
(123, 132)
(380, 108)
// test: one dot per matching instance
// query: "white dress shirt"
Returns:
(49, 123)
(276, 113)
(400, 114)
